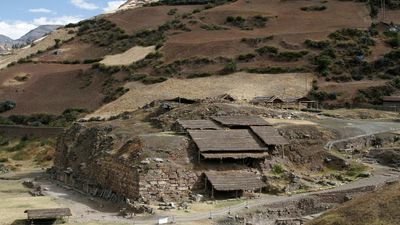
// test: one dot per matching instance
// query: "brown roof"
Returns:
(269, 135)
(234, 180)
(391, 98)
(225, 140)
(241, 121)
(198, 125)
(267, 99)
(233, 155)
(34, 214)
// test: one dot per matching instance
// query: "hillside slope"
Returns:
(332, 39)
(381, 207)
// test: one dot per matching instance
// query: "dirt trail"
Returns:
(86, 209)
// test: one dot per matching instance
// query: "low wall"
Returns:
(38, 132)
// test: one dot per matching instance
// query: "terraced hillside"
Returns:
(334, 40)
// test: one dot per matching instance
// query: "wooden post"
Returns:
(212, 191)
(205, 185)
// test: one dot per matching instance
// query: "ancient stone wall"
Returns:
(150, 168)
(168, 183)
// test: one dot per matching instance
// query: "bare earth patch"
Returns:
(130, 56)
(240, 85)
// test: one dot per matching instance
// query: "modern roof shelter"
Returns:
(47, 214)
(233, 181)
(217, 141)
(228, 144)
(199, 125)
(266, 100)
(243, 121)
(269, 135)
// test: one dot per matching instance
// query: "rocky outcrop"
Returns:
(130, 4)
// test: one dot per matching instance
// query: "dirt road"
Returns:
(86, 209)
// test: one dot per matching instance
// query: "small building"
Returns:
(184, 125)
(267, 100)
(50, 216)
(391, 101)
(228, 144)
(232, 183)
(240, 121)
(269, 136)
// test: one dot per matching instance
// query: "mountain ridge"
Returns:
(6, 43)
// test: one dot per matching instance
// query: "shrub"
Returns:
(291, 56)
(322, 62)
(114, 95)
(314, 8)
(255, 41)
(246, 57)
(7, 105)
(229, 68)
(172, 11)
(258, 21)
(317, 44)
(212, 27)
(153, 80)
(198, 75)
(90, 61)
(267, 50)
(278, 169)
(323, 95)
(237, 21)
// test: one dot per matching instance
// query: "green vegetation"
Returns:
(172, 11)
(278, 169)
(229, 68)
(212, 27)
(392, 39)
(246, 57)
(247, 24)
(290, 56)
(38, 120)
(237, 21)
(317, 44)
(115, 94)
(7, 106)
(253, 42)
(356, 169)
(104, 33)
(267, 50)
(274, 53)
(314, 8)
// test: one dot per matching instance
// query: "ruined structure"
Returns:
(151, 156)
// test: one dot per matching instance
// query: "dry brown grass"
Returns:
(379, 208)
(240, 85)
(128, 57)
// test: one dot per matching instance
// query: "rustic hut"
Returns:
(223, 144)
(197, 125)
(47, 215)
(391, 101)
(231, 183)
(241, 121)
